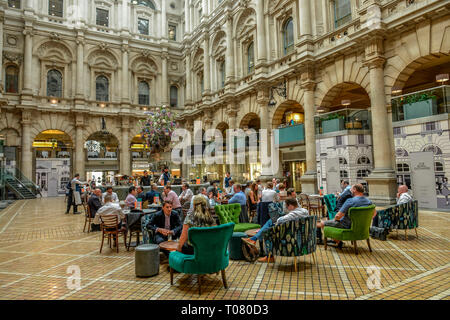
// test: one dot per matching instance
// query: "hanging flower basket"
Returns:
(157, 129)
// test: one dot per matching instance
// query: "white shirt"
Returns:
(186, 195)
(114, 197)
(269, 195)
(107, 210)
(404, 198)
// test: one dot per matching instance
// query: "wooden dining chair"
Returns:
(304, 201)
(110, 227)
(87, 217)
(316, 207)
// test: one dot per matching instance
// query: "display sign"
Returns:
(423, 179)
(333, 175)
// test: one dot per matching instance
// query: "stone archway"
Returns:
(283, 110)
(350, 91)
(251, 121)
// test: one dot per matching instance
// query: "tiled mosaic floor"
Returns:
(39, 245)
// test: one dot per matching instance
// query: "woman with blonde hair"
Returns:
(199, 218)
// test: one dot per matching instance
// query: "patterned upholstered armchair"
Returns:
(400, 217)
(292, 239)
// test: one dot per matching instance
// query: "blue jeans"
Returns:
(259, 235)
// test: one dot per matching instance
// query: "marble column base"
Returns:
(309, 183)
(382, 187)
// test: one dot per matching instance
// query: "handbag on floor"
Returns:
(379, 233)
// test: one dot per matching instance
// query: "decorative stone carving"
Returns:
(16, 58)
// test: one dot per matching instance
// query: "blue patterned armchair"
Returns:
(292, 239)
(400, 217)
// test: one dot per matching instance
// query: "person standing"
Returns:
(146, 179)
(226, 181)
(166, 176)
(76, 194)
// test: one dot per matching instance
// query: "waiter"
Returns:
(146, 179)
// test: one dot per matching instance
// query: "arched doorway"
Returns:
(102, 153)
(420, 100)
(252, 168)
(289, 120)
(343, 130)
(53, 151)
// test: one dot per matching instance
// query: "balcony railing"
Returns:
(419, 104)
(341, 120)
(291, 135)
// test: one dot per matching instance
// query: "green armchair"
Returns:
(230, 213)
(361, 218)
(210, 253)
(330, 202)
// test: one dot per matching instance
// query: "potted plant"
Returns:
(419, 105)
(334, 122)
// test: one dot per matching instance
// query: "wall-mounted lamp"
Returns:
(441, 78)
(346, 102)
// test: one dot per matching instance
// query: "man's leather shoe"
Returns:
(264, 259)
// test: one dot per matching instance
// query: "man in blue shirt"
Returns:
(150, 196)
(239, 196)
(345, 195)
(342, 220)
(226, 181)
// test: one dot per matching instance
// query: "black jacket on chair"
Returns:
(94, 204)
(158, 220)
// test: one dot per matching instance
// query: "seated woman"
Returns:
(200, 217)
(253, 196)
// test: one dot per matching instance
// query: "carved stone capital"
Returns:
(26, 117)
(376, 62)
(28, 31)
(308, 85)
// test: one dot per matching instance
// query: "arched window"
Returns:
(251, 58)
(14, 4)
(344, 174)
(363, 160)
(402, 167)
(147, 3)
(438, 167)
(342, 161)
(144, 93)
(54, 83)
(55, 8)
(432, 148)
(400, 152)
(288, 36)
(342, 12)
(174, 96)
(102, 88)
(12, 79)
(222, 74)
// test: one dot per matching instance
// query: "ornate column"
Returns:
(187, 18)
(79, 146)
(305, 18)
(27, 154)
(382, 181)
(267, 172)
(192, 17)
(229, 56)
(261, 33)
(1, 54)
(164, 84)
(164, 20)
(309, 179)
(206, 70)
(231, 112)
(188, 74)
(125, 165)
(28, 61)
(80, 68)
(205, 8)
(125, 71)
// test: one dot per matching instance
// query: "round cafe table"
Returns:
(169, 246)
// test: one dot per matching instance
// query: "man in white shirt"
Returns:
(186, 195)
(108, 209)
(269, 195)
(109, 191)
(403, 196)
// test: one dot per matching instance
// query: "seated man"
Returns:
(164, 223)
(345, 195)
(295, 213)
(94, 202)
(403, 196)
(186, 194)
(150, 196)
(290, 194)
(239, 196)
(170, 195)
(131, 198)
(140, 193)
(342, 220)
(108, 209)
(113, 195)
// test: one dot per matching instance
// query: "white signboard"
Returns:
(423, 179)
(333, 175)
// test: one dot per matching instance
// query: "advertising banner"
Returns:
(333, 176)
(423, 179)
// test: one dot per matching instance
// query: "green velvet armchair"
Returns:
(361, 218)
(230, 213)
(210, 253)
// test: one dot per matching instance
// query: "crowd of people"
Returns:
(180, 212)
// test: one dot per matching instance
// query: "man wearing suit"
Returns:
(165, 223)
(95, 202)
